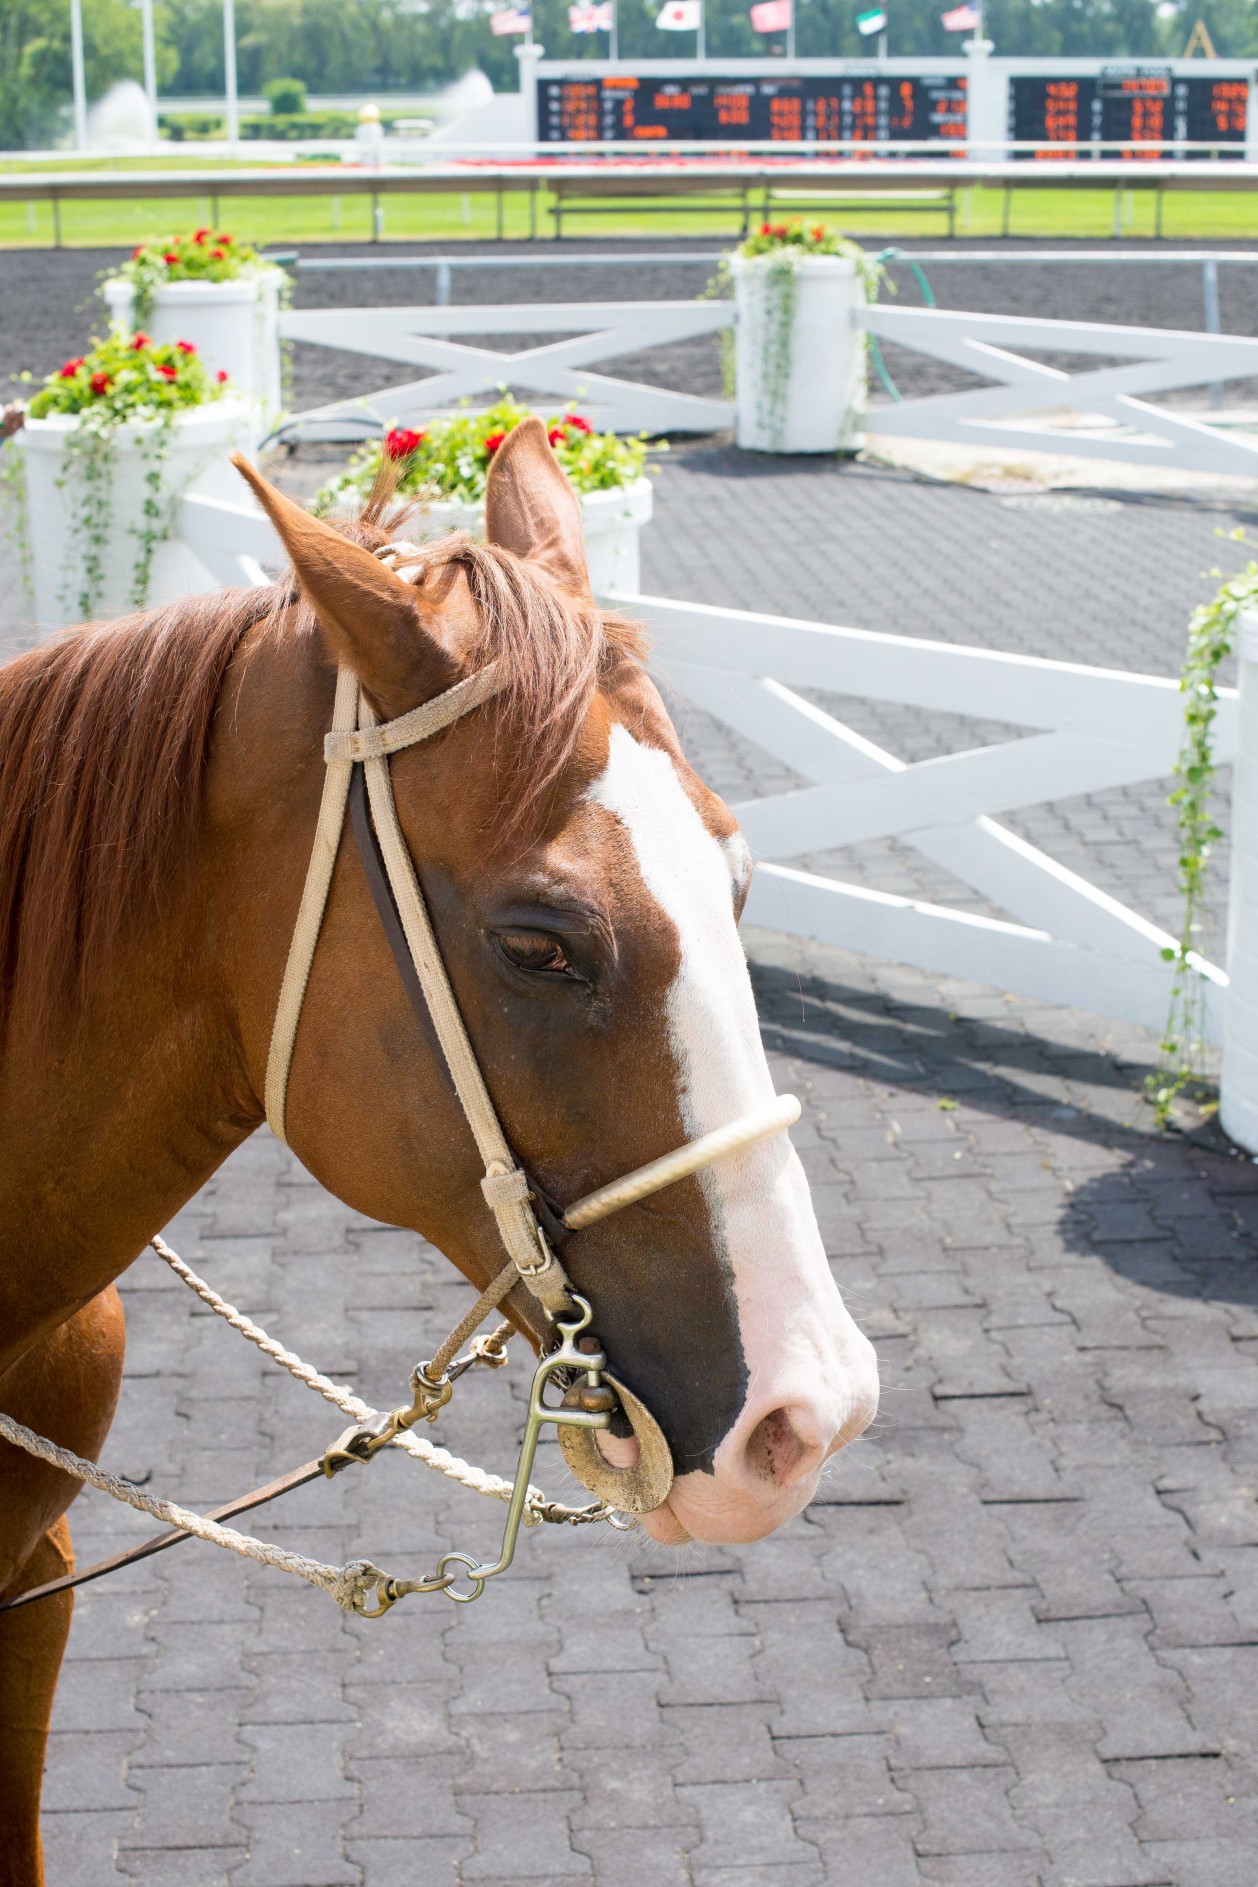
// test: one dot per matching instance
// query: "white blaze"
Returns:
(799, 1344)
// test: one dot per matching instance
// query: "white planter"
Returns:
(203, 437)
(807, 396)
(1238, 1087)
(233, 325)
(612, 521)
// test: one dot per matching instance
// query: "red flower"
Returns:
(101, 383)
(216, 255)
(199, 235)
(141, 340)
(401, 442)
(169, 373)
(137, 252)
(819, 232)
(578, 423)
(493, 442)
(185, 347)
(225, 240)
(557, 436)
(221, 375)
(71, 368)
(170, 258)
(766, 229)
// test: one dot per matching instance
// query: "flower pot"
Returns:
(233, 325)
(612, 521)
(799, 357)
(202, 437)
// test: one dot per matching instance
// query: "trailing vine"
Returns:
(120, 383)
(13, 490)
(1211, 639)
(780, 248)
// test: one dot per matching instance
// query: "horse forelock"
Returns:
(106, 731)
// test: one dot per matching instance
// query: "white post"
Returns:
(1238, 1087)
(150, 62)
(790, 33)
(229, 74)
(700, 52)
(985, 102)
(78, 74)
(613, 49)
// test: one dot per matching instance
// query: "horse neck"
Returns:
(111, 1130)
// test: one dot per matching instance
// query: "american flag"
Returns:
(963, 19)
(593, 17)
(512, 20)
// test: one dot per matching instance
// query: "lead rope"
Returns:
(349, 1585)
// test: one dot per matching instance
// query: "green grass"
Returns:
(277, 221)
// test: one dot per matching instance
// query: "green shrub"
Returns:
(286, 96)
(301, 124)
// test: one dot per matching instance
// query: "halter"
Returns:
(356, 752)
(529, 1224)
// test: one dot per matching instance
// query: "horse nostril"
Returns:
(778, 1453)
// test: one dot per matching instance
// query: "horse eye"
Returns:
(534, 950)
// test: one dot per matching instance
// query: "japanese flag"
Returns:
(680, 16)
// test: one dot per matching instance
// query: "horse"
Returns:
(160, 784)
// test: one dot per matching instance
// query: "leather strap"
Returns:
(382, 897)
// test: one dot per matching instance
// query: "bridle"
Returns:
(357, 751)
(532, 1227)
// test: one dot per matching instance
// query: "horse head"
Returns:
(585, 889)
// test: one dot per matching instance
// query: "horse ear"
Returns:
(373, 622)
(531, 508)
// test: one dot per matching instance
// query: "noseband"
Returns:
(530, 1225)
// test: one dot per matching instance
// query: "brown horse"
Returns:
(159, 785)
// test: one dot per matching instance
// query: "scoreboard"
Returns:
(798, 109)
(1126, 111)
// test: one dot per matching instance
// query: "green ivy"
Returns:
(120, 381)
(782, 247)
(1211, 639)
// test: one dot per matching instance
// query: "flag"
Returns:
(680, 16)
(872, 22)
(771, 16)
(513, 20)
(593, 17)
(963, 19)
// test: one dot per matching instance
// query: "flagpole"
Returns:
(700, 45)
(790, 33)
(614, 46)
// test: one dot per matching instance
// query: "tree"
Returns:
(35, 79)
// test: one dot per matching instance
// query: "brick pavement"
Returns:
(1015, 1641)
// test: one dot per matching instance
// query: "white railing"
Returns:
(1098, 413)
(557, 370)
(1088, 730)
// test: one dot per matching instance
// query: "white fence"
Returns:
(1088, 730)
(1099, 412)
(557, 370)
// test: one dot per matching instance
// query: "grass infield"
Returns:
(981, 212)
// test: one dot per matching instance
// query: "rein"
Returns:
(530, 1226)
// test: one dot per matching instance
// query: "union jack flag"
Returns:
(595, 16)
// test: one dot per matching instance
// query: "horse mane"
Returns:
(105, 738)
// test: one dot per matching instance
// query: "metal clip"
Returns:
(566, 1357)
